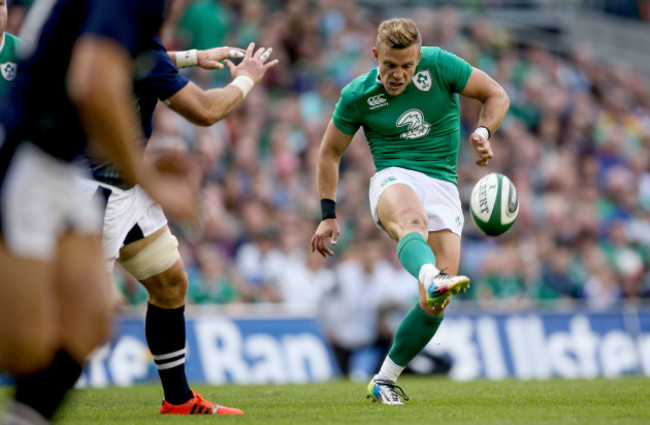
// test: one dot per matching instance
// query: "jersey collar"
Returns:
(3, 37)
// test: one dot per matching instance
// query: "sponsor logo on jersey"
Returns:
(377, 101)
(422, 80)
(414, 120)
(8, 70)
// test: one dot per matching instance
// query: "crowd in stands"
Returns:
(576, 144)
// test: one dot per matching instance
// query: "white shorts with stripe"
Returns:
(126, 210)
(440, 199)
(41, 202)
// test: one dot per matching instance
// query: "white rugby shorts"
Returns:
(41, 202)
(125, 209)
(440, 199)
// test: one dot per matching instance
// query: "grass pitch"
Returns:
(433, 400)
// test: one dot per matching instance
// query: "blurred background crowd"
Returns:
(576, 144)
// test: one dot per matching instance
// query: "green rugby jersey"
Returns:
(418, 129)
(8, 61)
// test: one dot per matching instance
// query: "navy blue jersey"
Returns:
(39, 109)
(162, 82)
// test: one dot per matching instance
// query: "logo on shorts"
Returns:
(8, 70)
(387, 180)
(422, 80)
(377, 101)
(458, 223)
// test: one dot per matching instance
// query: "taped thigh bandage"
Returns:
(160, 255)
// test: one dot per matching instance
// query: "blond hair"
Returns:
(398, 33)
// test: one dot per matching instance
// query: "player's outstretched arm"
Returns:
(206, 107)
(100, 86)
(495, 107)
(334, 143)
(206, 59)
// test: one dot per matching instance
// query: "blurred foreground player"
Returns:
(75, 86)
(135, 229)
(408, 107)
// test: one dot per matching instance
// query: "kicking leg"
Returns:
(405, 220)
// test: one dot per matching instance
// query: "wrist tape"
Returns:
(187, 58)
(243, 83)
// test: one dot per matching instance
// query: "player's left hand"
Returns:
(177, 162)
(328, 231)
(210, 58)
(482, 149)
(254, 63)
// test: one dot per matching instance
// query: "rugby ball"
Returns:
(494, 204)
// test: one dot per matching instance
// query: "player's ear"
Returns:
(375, 55)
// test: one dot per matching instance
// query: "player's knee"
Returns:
(405, 223)
(178, 280)
(160, 269)
(168, 289)
(414, 222)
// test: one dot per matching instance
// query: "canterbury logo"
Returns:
(377, 101)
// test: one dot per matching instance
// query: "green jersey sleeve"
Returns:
(346, 114)
(455, 70)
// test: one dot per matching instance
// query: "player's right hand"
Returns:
(253, 64)
(177, 194)
(327, 232)
(482, 149)
(210, 58)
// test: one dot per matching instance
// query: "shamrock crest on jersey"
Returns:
(417, 127)
(422, 80)
(8, 70)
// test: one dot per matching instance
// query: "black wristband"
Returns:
(327, 208)
(486, 129)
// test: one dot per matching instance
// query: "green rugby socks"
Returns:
(414, 252)
(413, 334)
